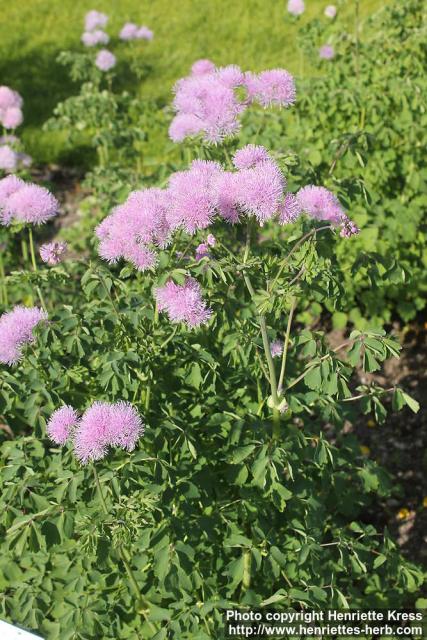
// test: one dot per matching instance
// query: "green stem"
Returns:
(142, 603)
(34, 265)
(286, 345)
(3, 281)
(266, 344)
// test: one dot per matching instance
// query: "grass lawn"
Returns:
(255, 34)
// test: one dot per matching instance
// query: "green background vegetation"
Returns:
(254, 34)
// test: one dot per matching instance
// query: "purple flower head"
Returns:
(9, 99)
(183, 303)
(93, 38)
(128, 31)
(321, 204)
(202, 251)
(53, 252)
(104, 425)
(16, 330)
(184, 125)
(211, 240)
(289, 209)
(330, 11)
(125, 426)
(191, 204)
(327, 52)
(30, 203)
(348, 228)
(95, 19)
(60, 425)
(225, 196)
(260, 189)
(105, 60)
(8, 158)
(8, 185)
(12, 118)
(200, 67)
(276, 348)
(274, 87)
(249, 156)
(231, 76)
(144, 33)
(209, 104)
(296, 7)
(135, 228)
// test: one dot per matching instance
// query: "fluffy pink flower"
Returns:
(260, 189)
(183, 303)
(104, 425)
(8, 185)
(16, 330)
(30, 203)
(95, 19)
(60, 425)
(276, 348)
(330, 11)
(202, 66)
(321, 204)
(249, 156)
(202, 251)
(225, 194)
(289, 209)
(327, 52)
(144, 33)
(93, 38)
(53, 252)
(8, 158)
(9, 99)
(273, 87)
(184, 125)
(191, 204)
(296, 7)
(210, 105)
(134, 228)
(12, 118)
(105, 60)
(128, 31)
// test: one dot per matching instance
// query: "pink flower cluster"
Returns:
(93, 33)
(10, 158)
(296, 7)
(101, 426)
(183, 303)
(53, 252)
(207, 101)
(16, 330)
(131, 31)
(134, 229)
(105, 60)
(25, 203)
(192, 199)
(10, 108)
(321, 204)
(327, 52)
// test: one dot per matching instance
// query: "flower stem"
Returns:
(34, 265)
(142, 602)
(3, 281)
(266, 345)
(286, 345)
